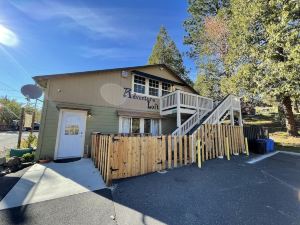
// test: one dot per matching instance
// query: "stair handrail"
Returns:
(231, 101)
(189, 123)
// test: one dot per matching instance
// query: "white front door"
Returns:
(71, 134)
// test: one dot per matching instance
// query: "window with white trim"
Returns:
(166, 88)
(139, 125)
(139, 84)
(155, 127)
(126, 125)
(153, 87)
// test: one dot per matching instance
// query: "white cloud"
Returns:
(96, 22)
(8, 37)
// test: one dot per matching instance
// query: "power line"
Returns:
(2, 89)
(12, 96)
(8, 86)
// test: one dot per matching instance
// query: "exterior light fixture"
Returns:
(89, 114)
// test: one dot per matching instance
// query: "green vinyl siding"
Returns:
(103, 119)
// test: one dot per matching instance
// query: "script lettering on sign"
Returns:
(151, 104)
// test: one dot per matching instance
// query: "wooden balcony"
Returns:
(184, 102)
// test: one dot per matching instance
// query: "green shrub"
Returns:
(30, 142)
(28, 157)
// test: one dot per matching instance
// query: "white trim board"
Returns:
(262, 157)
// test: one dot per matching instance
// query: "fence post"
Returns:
(246, 145)
(169, 151)
(193, 153)
(227, 149)
(108, 171)
(178, 112)
(199, 154)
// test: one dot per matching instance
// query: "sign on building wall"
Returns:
(123, 97)
(151, 103)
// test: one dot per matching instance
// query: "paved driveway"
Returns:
(222, 192)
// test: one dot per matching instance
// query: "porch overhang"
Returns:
(138, 114)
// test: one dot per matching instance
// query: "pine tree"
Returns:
(265, 50)
(207, 34)
(165, 52)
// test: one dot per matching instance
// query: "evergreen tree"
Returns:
(10, 110)
(207, 84)
(264, 50)
(205, 16)
(165, 52)
(207, 34)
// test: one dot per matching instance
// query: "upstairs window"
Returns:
(166, 89)
(153, 87)
(139, 84)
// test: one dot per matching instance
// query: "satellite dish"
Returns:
(31, 91)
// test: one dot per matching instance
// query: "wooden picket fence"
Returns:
(212, 141)
(101, 154)
(121, 157)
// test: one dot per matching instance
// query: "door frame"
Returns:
(59, 129)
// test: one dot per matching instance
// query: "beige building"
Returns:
(142, 100)
(123, 100)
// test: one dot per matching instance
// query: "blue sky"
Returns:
(46, 37)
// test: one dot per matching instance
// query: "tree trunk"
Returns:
(296, 106)
(289, 116)
(281, 115)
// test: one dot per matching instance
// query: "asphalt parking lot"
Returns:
(222, 192)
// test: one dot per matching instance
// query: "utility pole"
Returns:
(33, 118)
(20, 127)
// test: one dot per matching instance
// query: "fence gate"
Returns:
(133, 156)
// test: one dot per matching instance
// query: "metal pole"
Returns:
(20, 127)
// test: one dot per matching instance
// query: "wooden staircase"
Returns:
(201, 108)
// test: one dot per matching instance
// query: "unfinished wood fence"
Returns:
(212, 141)
(120, 157)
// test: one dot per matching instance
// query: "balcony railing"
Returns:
(181, 99)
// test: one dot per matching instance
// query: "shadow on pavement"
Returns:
(87, 208)
(8, 181)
